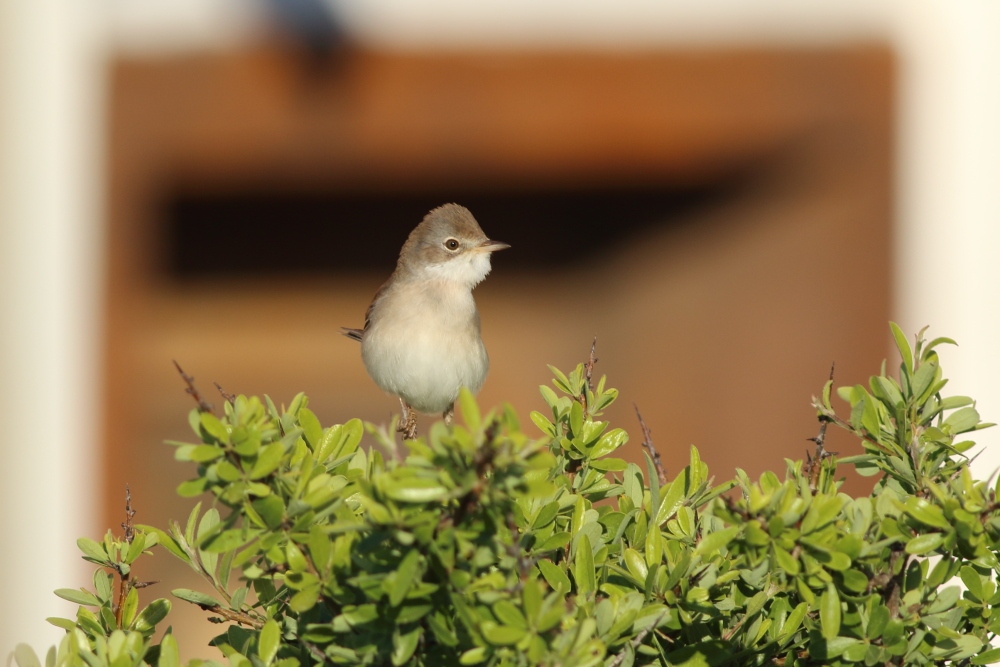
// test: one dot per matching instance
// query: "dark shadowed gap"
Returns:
(252, 232)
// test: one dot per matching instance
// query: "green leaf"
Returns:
(556, 541)
(271, 509)
(269, 641)
(268, 460)
(609, 465)
(583, 567)
(92, 551)
(829, 612)
(135, 548)
(653, 547)
(855, 581)
(405, 643)
(305, 599)
(829, 648)
(416, 490)
(78, 596)
(154, 612)
(469, 409)
(311, 428)
(103, 582)
(904, 347)
(987, 657)
(922, 544)
(576, 419)
(205, 453)
(476, 655)
(927, 513)
(543, 424)
(213, 427)
(923, 378)
(672, 499)
(508, 614)
(501, 635)
(130, 607)
(546, 514)
(560, 381)
(962, 420)
(227, 540)
(608, 443)
(192, 487)
(170, 655)
(25, 656)
(165, 540)
(793, 621)
(712, 542)
(972, 581)
(404, 577)
(195, 597)
(878, 621)
(554, 575)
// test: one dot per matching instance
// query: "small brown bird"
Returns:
(421, 339)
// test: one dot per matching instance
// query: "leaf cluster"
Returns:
(482, 545)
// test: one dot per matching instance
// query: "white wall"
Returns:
(50, 100)
(948, 239)
(50, 96)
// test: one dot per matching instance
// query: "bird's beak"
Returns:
(492, 246)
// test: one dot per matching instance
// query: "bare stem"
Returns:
(203, 405)
(229, 398)
(647, 442)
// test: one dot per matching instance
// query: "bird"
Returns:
(421, 340)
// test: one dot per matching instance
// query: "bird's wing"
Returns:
(356, 334)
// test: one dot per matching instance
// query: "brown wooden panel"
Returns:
(720, 328)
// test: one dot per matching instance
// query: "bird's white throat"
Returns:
(468, 269)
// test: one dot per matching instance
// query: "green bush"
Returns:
(483, 545)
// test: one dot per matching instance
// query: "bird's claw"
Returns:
(408, 424)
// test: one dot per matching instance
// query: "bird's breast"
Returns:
(423, 344)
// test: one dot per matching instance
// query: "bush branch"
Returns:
(203, 405)
(647, 442)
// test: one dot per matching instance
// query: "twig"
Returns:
(812, 465)
(129, 514)
(203, 405)
(638, 639)
(589, 366)
(514, 550)
(125, 578)
(647, 442)
(733, 630)
(236, 616)
(229, 398)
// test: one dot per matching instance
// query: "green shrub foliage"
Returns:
(482, 544)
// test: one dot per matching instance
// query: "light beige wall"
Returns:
(50, 95)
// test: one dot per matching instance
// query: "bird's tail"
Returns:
(353, 334)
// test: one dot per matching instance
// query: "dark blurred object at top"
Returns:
(313, 27)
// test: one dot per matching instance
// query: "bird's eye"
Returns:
(451, 244)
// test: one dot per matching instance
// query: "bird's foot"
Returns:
(408, 424)
(449, 415)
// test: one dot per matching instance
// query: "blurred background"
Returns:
(730, 195)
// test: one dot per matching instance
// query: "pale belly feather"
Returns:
(428, 353)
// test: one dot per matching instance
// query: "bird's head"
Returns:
(449, 245)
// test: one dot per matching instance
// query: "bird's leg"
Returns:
(449, 415)
(408, 423)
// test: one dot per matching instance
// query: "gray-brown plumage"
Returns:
(421, 339)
